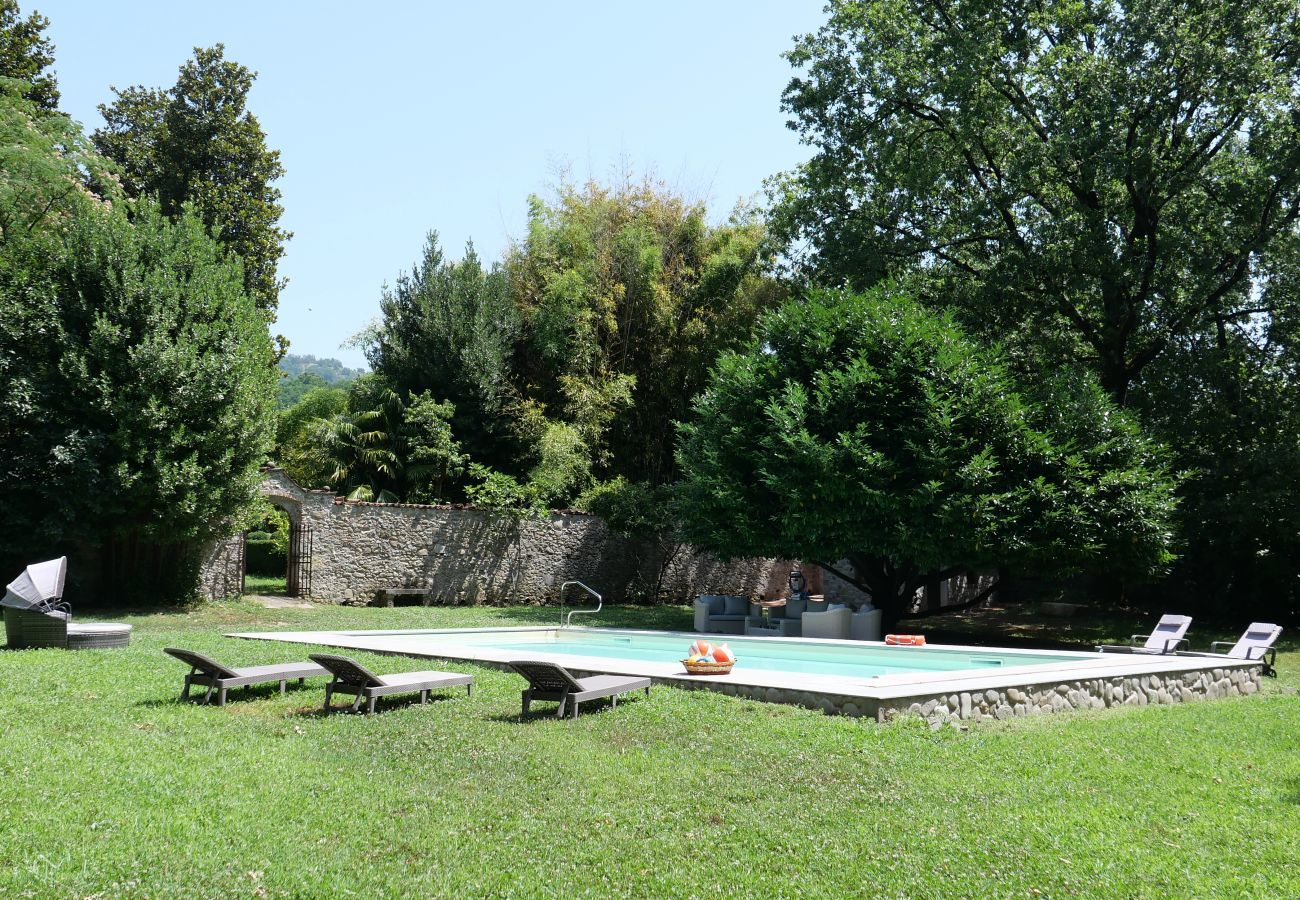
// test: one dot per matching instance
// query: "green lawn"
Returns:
(265, 584)
(110, 787)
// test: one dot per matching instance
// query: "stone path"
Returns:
(279, 601)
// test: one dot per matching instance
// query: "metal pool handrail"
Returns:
(565, 618)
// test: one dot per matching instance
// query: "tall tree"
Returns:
(870, 429)
(136, 395)
(27, 54)
(1101, 180)
(450, 328)
(627, 294)
(197, 143)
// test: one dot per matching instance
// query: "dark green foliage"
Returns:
(866, 428)
(267, 546)
(570, 363)
(450, 328)
(1232, 408)
(197, 143)
(289, 390)
(138, 390)
(301, 435)
(27, 54)
(389, 448)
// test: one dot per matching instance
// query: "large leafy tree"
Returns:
(1099, 181)
(27, 54)
(197, 143)
(137, 394)
(869, 429)
(627, 293)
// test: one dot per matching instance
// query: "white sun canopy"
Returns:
(39, 583)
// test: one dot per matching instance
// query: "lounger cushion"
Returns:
(735, 606)
(99, 629)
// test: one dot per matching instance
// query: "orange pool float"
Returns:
(905, 640)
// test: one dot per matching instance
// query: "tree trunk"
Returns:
(890, 585)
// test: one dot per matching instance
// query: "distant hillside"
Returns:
(303, 373)
(330, 370)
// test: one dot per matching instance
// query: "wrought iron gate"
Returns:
(299, 576)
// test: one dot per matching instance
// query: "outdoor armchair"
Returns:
(722, 613)
(1164, 638)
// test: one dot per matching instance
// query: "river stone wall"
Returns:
(1014, 702)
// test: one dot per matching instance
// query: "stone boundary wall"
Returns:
(469, 556)
(221, 569)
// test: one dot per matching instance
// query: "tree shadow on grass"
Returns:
(317, 711)
(251, 693)
(1292, 794)
(547, 712)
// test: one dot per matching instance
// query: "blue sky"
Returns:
(404, 117)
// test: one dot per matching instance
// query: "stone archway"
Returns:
(285, 494)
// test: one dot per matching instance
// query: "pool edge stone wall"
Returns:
(995, 704)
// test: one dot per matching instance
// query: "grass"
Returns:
(108, 786)
(265, 584)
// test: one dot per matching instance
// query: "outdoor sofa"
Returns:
(549, 681)
(32, 628)
(37, 616)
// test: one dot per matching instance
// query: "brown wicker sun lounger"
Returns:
(350, 677)
(548, 681)
(205, 671)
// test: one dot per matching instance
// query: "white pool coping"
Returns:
(1082, 666)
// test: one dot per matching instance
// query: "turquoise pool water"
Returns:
(864, 661)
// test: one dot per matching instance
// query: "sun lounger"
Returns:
(548, 681)
(207, 672)
(1164, 638)
(1256, 643)
(350, 677)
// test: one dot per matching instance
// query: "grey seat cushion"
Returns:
(713, 603)
(735, 606)
(727, 618)
(795, 607)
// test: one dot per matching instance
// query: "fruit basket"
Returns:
(708, 668)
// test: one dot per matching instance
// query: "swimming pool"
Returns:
(850, 677)
(846, 659)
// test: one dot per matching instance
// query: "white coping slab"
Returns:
(442, 644)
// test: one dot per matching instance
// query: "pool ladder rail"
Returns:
(566, 618)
